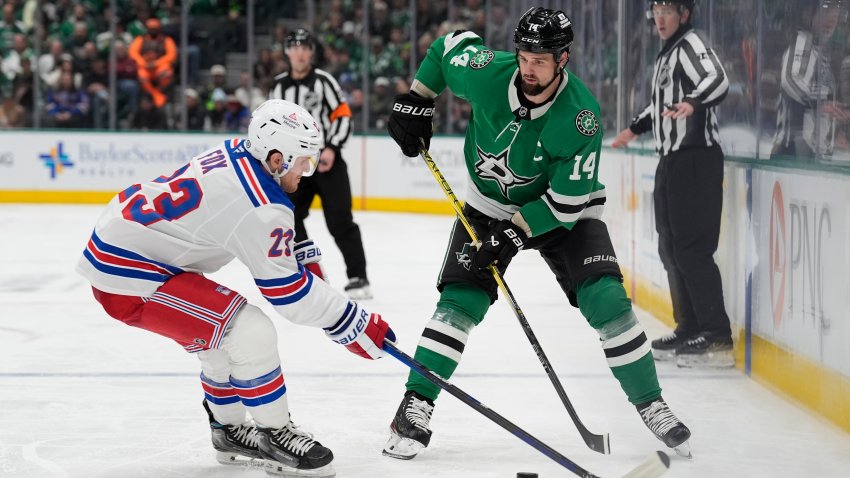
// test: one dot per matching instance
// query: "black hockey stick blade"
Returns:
(598, 443)
(652, 467)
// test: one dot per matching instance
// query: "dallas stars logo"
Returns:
(463, 257)
(496, 168)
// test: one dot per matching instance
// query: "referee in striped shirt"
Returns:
(319, 93)
(688, 83)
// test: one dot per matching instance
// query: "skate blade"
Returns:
(234, 459)
(401, 448)
(707, 360)
(274, 468)
(664, 355)
(684, 450)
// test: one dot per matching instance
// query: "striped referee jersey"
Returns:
(806, 80)
(685, 70)
(320, 94)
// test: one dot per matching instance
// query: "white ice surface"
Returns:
(82, 395)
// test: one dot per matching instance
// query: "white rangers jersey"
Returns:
(221, 205)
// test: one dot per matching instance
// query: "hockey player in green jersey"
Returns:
(532, 151)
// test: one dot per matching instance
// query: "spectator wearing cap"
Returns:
(236, 115)
(196, 113)
(217, 81)
(155, 55)
(216, 111)
(379, 104)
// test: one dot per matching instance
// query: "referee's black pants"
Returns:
(334, 188)
(688, 199)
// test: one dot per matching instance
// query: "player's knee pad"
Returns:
(602, 299)
(251, 343)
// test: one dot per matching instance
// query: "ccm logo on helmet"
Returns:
(413, 110)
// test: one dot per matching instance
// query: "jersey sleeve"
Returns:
(447, 63)
(263, 241)
(574, 190)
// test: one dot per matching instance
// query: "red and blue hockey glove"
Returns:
(498, 246)
(309, 255)
(361, 333)
(409, 123)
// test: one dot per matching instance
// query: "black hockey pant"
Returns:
(688, 201)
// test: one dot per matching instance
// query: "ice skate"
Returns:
(706, 352)
(664, 348)
(409, 432)
(234, 444)
(661, 421)
(290, 452)
(358, 289)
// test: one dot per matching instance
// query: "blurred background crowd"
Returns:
(203, 65)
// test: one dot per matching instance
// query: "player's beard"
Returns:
(532, 89)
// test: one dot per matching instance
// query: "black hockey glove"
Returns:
(500, 244)
(410, 122)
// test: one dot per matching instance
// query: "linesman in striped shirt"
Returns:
(319, 93)
(688, 83)
(808, 111)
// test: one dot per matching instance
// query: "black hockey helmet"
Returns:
(300, 36)
(690, 5)
(542, 30)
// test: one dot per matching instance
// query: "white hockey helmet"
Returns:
(283, 126)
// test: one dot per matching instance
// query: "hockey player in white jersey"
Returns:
(150, 248)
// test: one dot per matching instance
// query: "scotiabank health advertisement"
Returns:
(802, 271)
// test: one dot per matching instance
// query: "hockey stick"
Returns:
(597, 443)
(652, 467)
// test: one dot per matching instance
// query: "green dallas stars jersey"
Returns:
(541, 160)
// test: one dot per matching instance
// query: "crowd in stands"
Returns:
(74, 72)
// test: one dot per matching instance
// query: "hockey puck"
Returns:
(523, 474)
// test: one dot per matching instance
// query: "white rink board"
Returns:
(108, 162)
(802, 267)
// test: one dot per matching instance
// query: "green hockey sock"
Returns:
(461, 307)
(604, 303)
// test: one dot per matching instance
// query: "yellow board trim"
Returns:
(425, 206)
(56, 197)
(792, 375)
